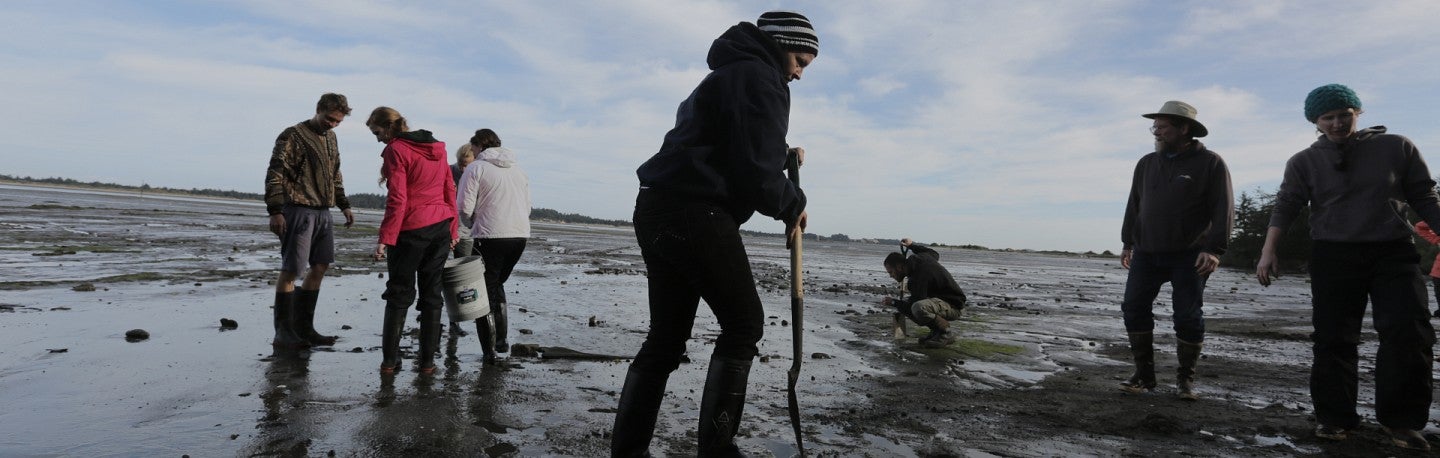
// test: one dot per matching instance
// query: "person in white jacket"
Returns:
(494, 201)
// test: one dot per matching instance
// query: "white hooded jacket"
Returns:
(494, 196)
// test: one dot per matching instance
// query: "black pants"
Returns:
(693, 251)
(1436, 283)
(1343, 276)
(500, 257)
(418, 257)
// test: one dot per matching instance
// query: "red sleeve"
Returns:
(395, 198)
(450, 203)
(1426, 233)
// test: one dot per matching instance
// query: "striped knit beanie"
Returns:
(792, 30)
(1329, 97)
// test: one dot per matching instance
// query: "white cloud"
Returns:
(993, 123)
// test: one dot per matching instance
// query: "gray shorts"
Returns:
(309, 238)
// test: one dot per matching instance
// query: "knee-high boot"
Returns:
(1142, 348)
(635, 417)
(721, 405)
(305, 318)
(485, 330)
(285, 336)
(390, 332)
(429, 339)
(502, 326)
(1188, 355)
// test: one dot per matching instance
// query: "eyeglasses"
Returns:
(1156, 129)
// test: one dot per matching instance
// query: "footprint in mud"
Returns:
(1163, 424)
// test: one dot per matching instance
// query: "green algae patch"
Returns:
(54, 207)
(138, 276)
(972, 348)
(68, 250)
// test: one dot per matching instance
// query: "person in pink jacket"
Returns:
(1429, 235)
(416, 235)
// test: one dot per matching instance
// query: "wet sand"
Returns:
(1034, 373)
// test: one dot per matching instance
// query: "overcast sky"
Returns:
(1005, 124)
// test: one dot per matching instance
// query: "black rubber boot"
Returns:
(502, 327)
(1142, 347)
(1188, 354)
(721, 405)
(429, 340)
(285, 336)
(391, 330)
(305, 318)
(636, 414)
(485, 330)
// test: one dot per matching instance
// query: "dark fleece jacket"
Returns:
(1179, 203)
(728, 144)
(1358, 190)
(928, 279)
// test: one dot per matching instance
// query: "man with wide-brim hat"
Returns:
(1180, 113)
(1177, 224)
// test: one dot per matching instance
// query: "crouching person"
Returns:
(935, 299)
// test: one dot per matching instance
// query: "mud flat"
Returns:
(1034, 373)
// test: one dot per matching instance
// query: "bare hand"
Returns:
(1125, 258)
(453, 242)
(797, 230)
(799, 155)
(349, 217)
(1205, 263)
(277, 224)
(379, 253)
(1267, 268)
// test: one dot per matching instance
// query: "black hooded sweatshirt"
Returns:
(728, 144)
(928, 279)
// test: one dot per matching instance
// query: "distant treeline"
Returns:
(1252, 219)
(360, 200)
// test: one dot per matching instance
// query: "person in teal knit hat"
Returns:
(1358, 184)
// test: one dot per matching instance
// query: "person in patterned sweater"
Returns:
(301, 185)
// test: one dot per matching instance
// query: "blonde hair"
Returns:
(466, 151)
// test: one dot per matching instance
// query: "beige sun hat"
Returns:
(1181, 110)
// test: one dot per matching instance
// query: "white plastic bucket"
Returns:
(465, 295)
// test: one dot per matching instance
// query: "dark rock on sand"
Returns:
(818, 355)
(226, 323)
(525, 350)
(136, 335)
(84, 287)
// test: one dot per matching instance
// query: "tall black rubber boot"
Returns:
(285, 336)
(391, 330)
(635, 417)
(304, 322)
(502, 326)
(1188, 354)
(485, 330)
(721, 405)
(429, 340)
(1142, 348)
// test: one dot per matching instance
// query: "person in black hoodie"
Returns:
(1177, 224)
(935, 298)
(722, 162)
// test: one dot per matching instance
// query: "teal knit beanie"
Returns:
(1329, 97)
